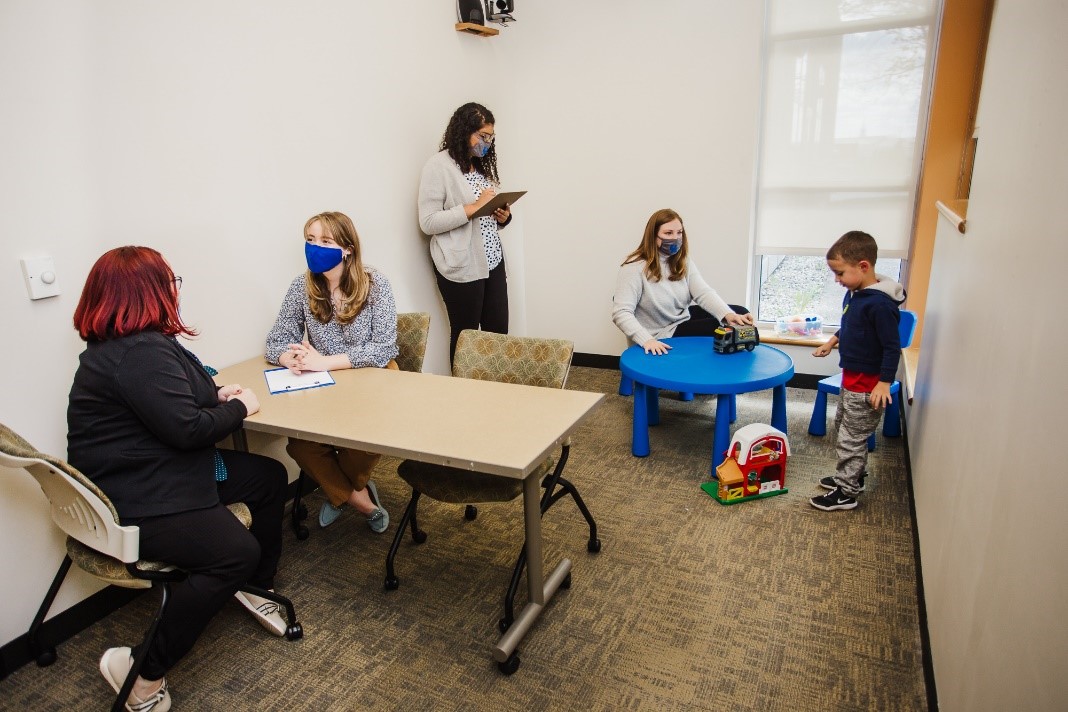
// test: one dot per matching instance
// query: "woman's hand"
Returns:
(739, 319)
(226, 392)
(252, 403)
(487, 195)
(656, 348)
(501, 215)
(304, 357)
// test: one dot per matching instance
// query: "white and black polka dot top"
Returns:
(369, 340)
(487, 225)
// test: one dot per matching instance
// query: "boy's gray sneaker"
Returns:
(833, 500)
(828, 482)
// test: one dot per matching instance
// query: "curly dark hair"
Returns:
(465, 121)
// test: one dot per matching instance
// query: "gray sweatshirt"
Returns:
(456, 246)
(645, 310)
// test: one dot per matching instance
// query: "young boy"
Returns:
(869, 348)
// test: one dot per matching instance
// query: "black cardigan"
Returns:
(142, 423)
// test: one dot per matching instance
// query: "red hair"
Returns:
(129, 290)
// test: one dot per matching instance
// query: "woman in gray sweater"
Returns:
(660, 293)
(467, 253)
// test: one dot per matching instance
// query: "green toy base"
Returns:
(712, 490)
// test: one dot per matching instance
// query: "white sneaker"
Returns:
(115, 665)
(263, 610)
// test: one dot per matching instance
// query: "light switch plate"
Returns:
(40, 275)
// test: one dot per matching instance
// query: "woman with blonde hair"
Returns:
(338, 314)
(660, 293)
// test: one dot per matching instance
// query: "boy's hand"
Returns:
(826, 347)
(880, 396)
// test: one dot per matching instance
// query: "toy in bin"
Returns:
(799, 325)
(730, 339)
(755, 466)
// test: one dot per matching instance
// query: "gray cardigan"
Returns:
(456, 244)
(645, 310)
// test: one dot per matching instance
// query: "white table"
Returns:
(498, 428)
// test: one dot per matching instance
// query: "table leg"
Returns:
(652, 396)
(639, 437)
(539, 589)
(723, 430)
(778, 407)
(240, 440)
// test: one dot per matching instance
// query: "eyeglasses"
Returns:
(178, 283)
(487, 138)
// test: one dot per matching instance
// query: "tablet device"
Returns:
(498, 201)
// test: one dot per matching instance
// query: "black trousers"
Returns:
(482, 304)
(217, 551)
(701, 323)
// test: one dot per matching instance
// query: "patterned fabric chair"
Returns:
(413, 328)
(507, 359)
(99, 545)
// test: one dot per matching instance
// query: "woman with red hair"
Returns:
(143, 420)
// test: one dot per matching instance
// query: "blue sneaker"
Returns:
(378, 519)
(328, 514)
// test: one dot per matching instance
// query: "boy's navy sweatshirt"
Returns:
(868, 340)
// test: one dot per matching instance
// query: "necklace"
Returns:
(337, 299)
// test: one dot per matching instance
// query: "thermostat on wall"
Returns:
(40, 275)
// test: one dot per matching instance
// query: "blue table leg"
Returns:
(639, 437)
(778, 407)
(723, 431)
(653, 402)
(734, 408)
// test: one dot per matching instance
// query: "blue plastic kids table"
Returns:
(692, 366)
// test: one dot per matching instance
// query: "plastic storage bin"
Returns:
(799, 325)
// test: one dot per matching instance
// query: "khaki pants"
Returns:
(338, 470)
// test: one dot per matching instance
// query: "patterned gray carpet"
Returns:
(691, 605)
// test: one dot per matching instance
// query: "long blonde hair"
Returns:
(355, 282)
(648, 252)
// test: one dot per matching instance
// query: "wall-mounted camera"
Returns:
(500, 11)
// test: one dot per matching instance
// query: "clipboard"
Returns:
(282, 380)
(498, 201)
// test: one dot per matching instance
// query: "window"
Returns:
(844, 114)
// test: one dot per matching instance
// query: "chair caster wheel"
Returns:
(392, 583)
(470, 512)
(419, 537)
(566, 583)
(593, 546)
(509, 666)
(503, 625)
(46, 657)
(294, 632)
(301, 532)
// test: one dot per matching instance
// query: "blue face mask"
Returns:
(480, 149)
(322, 259)
(669, 247)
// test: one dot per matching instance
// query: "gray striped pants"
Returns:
(854, 421)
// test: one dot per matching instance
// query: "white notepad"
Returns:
(282, 380)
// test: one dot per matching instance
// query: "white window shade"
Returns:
(843, 119)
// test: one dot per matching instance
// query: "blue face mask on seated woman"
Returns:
(322, 259)
(669, 247)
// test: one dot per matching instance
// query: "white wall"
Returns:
(988, 418)
(211, 131)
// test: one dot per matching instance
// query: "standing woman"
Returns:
(142, 423)
(338, 314)
(660, 293)
(467, 253)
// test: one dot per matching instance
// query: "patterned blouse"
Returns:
(369, 340)
(487, 225)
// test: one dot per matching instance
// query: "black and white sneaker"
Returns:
(833, 500)
(828, 482)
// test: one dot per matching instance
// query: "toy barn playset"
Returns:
(755, 466)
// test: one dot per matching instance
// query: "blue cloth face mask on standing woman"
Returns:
(669, 247)
(322, 259)
(480, 149)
